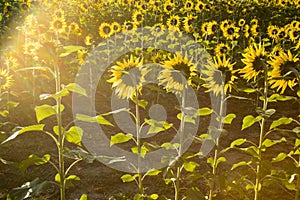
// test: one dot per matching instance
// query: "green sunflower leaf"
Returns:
(74, 135)
(120, 138)
(190, 166)
(204, 111)
(43, 112)
(249, 120)
(228, 119)
(281, 121)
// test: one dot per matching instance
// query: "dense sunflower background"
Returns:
(244, 41)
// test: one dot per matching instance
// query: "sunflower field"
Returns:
(150, 99)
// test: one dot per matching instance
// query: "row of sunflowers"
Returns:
(228, 48)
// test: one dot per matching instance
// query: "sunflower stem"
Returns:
(261, 136)
(216, 153)
(60, 136)
(138, 143)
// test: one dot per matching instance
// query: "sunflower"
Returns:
(254, 30)
(212, 27)
(129, 27)
(189, 5)
(158, 30)
(8, 9)
(31, 48)
(188, 23)
(294, 34)
(138, 17)
(281, 34)
(178, 71)
(11, 62)
(254, 21)
(81, 55)
(75, 29)
(222, 49)
(88, 40)
(5, 79)
(116, 27)
(276, 51)
(253, 60)
(127, 77)
(285, 70)
(242, 22)
(219, 75)
(59, 13)
(169, 7)
(225, 23)
(105, 30)
(200, 6)
(58, 25)
(247, 31)
(204, 28)
(273, 31)
(231, 32)
(173, 22)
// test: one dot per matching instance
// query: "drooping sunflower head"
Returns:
(254, 57)
(6, 79)
(219, 75)
(128, 76)
(285, 71)
(105, 30)
(177, 73)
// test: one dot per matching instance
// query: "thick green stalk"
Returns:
(261, 137)
(216, 153)
(60, 136)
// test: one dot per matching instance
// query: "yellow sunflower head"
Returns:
(242, 22)
(231, 31)
(116, 27)
(285, 71)
(31, 48)
(169, 7)
(129, 27)
(189, 5)
(158, 30)
(273, 32)
(177, 73)
(5, 79)
(173, 22)
(188, 22)
(127, 77)
(58, 25)
(222, 49)
(254, 57)
(212, 27)
(138, 17)
(105, 30)
(219, 75)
